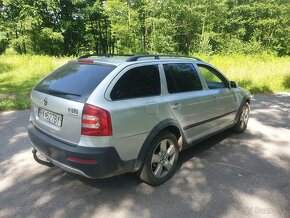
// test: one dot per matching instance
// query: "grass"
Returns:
(18, 74)
(259, 74)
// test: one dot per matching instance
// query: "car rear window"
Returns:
(74, 81)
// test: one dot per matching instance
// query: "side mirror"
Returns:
(233, 84)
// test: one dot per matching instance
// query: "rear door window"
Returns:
(181, 77)
(138, 82)
(74, 81)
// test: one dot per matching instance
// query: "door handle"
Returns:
(176, 106)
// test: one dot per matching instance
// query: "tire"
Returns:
(243, 119)
(161, 160)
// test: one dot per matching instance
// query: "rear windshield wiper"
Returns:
(53, 91)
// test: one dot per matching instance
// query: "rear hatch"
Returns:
(57, 101)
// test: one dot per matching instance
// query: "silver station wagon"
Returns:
(103, 116)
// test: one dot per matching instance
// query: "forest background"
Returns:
(247, 39)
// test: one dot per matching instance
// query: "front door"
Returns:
(190, 104)
(225, 101)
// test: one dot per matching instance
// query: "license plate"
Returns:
(49, 116)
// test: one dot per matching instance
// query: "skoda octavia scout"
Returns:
(103, 116)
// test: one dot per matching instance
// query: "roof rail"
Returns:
(103, 55)
(132, 58)
(158, 56)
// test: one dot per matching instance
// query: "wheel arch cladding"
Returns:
(165, 125)
(246, 99)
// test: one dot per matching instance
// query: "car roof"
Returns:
(117, 59)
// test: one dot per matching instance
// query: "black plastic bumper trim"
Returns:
(108, 160)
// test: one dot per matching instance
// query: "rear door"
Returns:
(133, 100)
(57, 101)
(190, 104)
(225, 100)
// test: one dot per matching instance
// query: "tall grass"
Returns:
(18, 74)
(259, 74)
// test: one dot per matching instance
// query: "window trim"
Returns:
(125, 70)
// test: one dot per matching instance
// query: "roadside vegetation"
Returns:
(247, 40)
(259, 74)
(19, 73)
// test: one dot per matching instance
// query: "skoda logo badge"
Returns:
(45, 101)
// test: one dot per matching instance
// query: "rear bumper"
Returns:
(108, 162)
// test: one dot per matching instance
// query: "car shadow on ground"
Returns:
(185, 156)
(214, 179)
(227, 175)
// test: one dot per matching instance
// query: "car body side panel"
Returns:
(226, 101)
(132, 122)
(225, 107)
(195, 107)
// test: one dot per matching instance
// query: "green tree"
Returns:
(71, 27)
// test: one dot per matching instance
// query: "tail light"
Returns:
(96, 121)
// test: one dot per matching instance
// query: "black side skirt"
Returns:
(208, 120)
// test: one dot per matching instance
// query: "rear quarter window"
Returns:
(74, 81)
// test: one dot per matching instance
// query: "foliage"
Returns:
(73, 27)
(228, 33)
(257, 73)
(19, 73)
(264, 73)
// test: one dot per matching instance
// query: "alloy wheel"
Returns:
(244, 116)
(163, 158)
